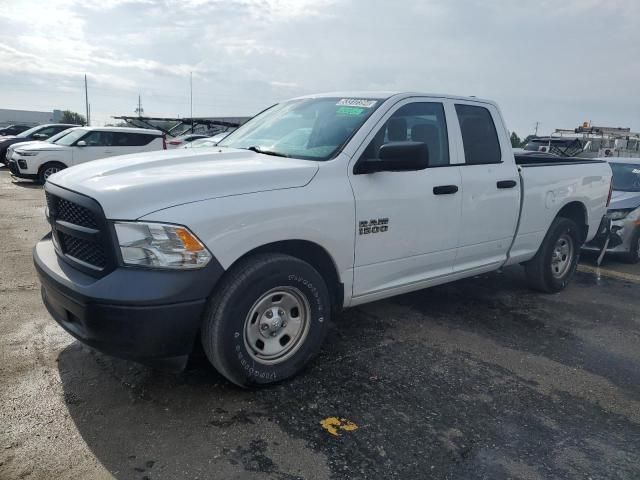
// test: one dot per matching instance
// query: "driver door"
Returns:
(407, 222)
(98, 144)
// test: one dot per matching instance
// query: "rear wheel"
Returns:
(267, 320)
(555, 263)
(633, 255)
(49, 169)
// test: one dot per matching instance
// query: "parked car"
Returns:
(41, 132)
(201, 142)
(624, 211)
(180, 141)
(39, 161)
(218, 137)
(14, 129)
(11, 149)
(251, 253)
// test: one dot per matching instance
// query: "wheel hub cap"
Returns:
(562, 256)
(277, 325)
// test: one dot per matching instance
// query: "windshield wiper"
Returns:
(257, 149)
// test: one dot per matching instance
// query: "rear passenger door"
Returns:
(490, 187)
(407, 222)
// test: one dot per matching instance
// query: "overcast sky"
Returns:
(557, 62)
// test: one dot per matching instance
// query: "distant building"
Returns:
(28, 117)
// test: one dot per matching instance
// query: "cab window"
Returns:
(415, 122)
(479, 135)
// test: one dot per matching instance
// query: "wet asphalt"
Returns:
(479, 379)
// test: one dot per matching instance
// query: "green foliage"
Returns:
(72, 117)
(515, 140)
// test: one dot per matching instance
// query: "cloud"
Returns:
(554, 62)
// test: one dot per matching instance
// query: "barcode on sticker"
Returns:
(356, 102)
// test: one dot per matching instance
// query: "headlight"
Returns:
(157, 245)
(618, 214)
(26, 154)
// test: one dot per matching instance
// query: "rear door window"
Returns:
(130, 139)
(479, 135)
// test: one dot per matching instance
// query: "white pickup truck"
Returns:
(318, 203)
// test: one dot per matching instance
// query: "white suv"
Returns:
(38, 161)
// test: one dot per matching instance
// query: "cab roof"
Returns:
(385, 95)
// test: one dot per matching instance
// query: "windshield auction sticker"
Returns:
(356, 102)
(353, 111)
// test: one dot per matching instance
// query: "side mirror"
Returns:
(81, 143)
(40, 136)
(396, 157)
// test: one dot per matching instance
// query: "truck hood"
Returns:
(623, 200)
(131, 186)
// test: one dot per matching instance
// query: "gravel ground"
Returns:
(478, 379)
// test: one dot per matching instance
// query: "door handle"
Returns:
(506, 183)
(445, 189)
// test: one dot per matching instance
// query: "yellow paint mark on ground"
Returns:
(333, 424)
(604, 272)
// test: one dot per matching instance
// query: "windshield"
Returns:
(58, 136)
(626, 177)
(68, 140)
(26, 133)
(308, 128)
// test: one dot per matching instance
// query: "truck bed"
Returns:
(545, 159)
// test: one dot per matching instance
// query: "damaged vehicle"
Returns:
(623, 213)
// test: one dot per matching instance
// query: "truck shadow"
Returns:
(425, 408)
(27, 184)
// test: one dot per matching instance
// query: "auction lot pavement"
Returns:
(481, 378)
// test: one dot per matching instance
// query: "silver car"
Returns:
(624, 210)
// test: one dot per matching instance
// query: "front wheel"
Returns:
(555, 263)
(49, 169)
(267, 320)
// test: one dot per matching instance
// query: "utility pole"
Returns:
(537, 124)
(86, 100)
(139, 110)
(191, 97)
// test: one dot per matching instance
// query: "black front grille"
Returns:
(13, 168)
(81, 231)
(84, 250)
(50, 200)
(76, 214)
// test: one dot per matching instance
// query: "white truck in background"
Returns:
(316, 204)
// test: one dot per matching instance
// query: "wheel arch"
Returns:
(576, 211)
(312, 253)
(49, 162)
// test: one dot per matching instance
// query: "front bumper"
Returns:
(15, 171)
(151, 316)
(620, 234)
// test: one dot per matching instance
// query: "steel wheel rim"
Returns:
(277, 325)
(562, 256)
(50, 171)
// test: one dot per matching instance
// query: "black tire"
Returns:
(633, 255)
(540, 269)
(226, 321)
(46, 170)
